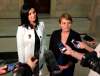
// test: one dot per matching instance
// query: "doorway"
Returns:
(43, 6)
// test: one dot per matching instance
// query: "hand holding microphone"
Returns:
(75, 43)
(64, 48)
(61, 47)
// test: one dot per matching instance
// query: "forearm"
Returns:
(89, 49)
(76, 55)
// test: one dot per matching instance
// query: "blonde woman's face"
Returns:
(65, 24)
(32, 15)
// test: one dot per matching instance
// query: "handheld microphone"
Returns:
(52, 63)
(61, 47)
(75, 43)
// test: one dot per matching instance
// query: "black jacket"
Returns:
(63, 59)
(56, 36)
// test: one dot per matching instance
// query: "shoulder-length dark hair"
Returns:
(24, 15)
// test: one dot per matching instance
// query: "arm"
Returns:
(89, 60)
(78, 55)
(74, 54)
(85, 46)
(24, 67)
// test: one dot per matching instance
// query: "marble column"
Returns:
(95, 19)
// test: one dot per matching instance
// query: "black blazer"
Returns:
(55, 37)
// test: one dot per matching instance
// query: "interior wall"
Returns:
(9, 20)
(95, 20)
(77, 8)
(9, 8)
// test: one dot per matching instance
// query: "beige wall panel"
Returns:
(10, 8)
(76, 8)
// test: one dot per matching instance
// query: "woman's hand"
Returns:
(85, 46)
(62, 67)
(32, 63)
(68, 50)
(82, 45)
(3, 69)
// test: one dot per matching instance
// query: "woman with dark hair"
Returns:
(30, 36)
(64, 35)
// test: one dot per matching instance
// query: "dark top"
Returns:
(36, 53)
(61, 58)
(37, 45)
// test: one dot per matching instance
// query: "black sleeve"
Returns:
(52, 41)
(76, 35)
(53, 44)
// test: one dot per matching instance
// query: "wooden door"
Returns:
(43, 6)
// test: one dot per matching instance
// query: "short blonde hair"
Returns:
(67, 16)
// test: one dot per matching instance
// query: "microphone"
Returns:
(75, 43)
(61, 47)
(51, 62)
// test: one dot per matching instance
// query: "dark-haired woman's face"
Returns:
(32, 15)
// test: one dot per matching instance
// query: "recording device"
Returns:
(10, 67)
(75, 43)
(61, 47)
(91, 61)
(51, 63)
